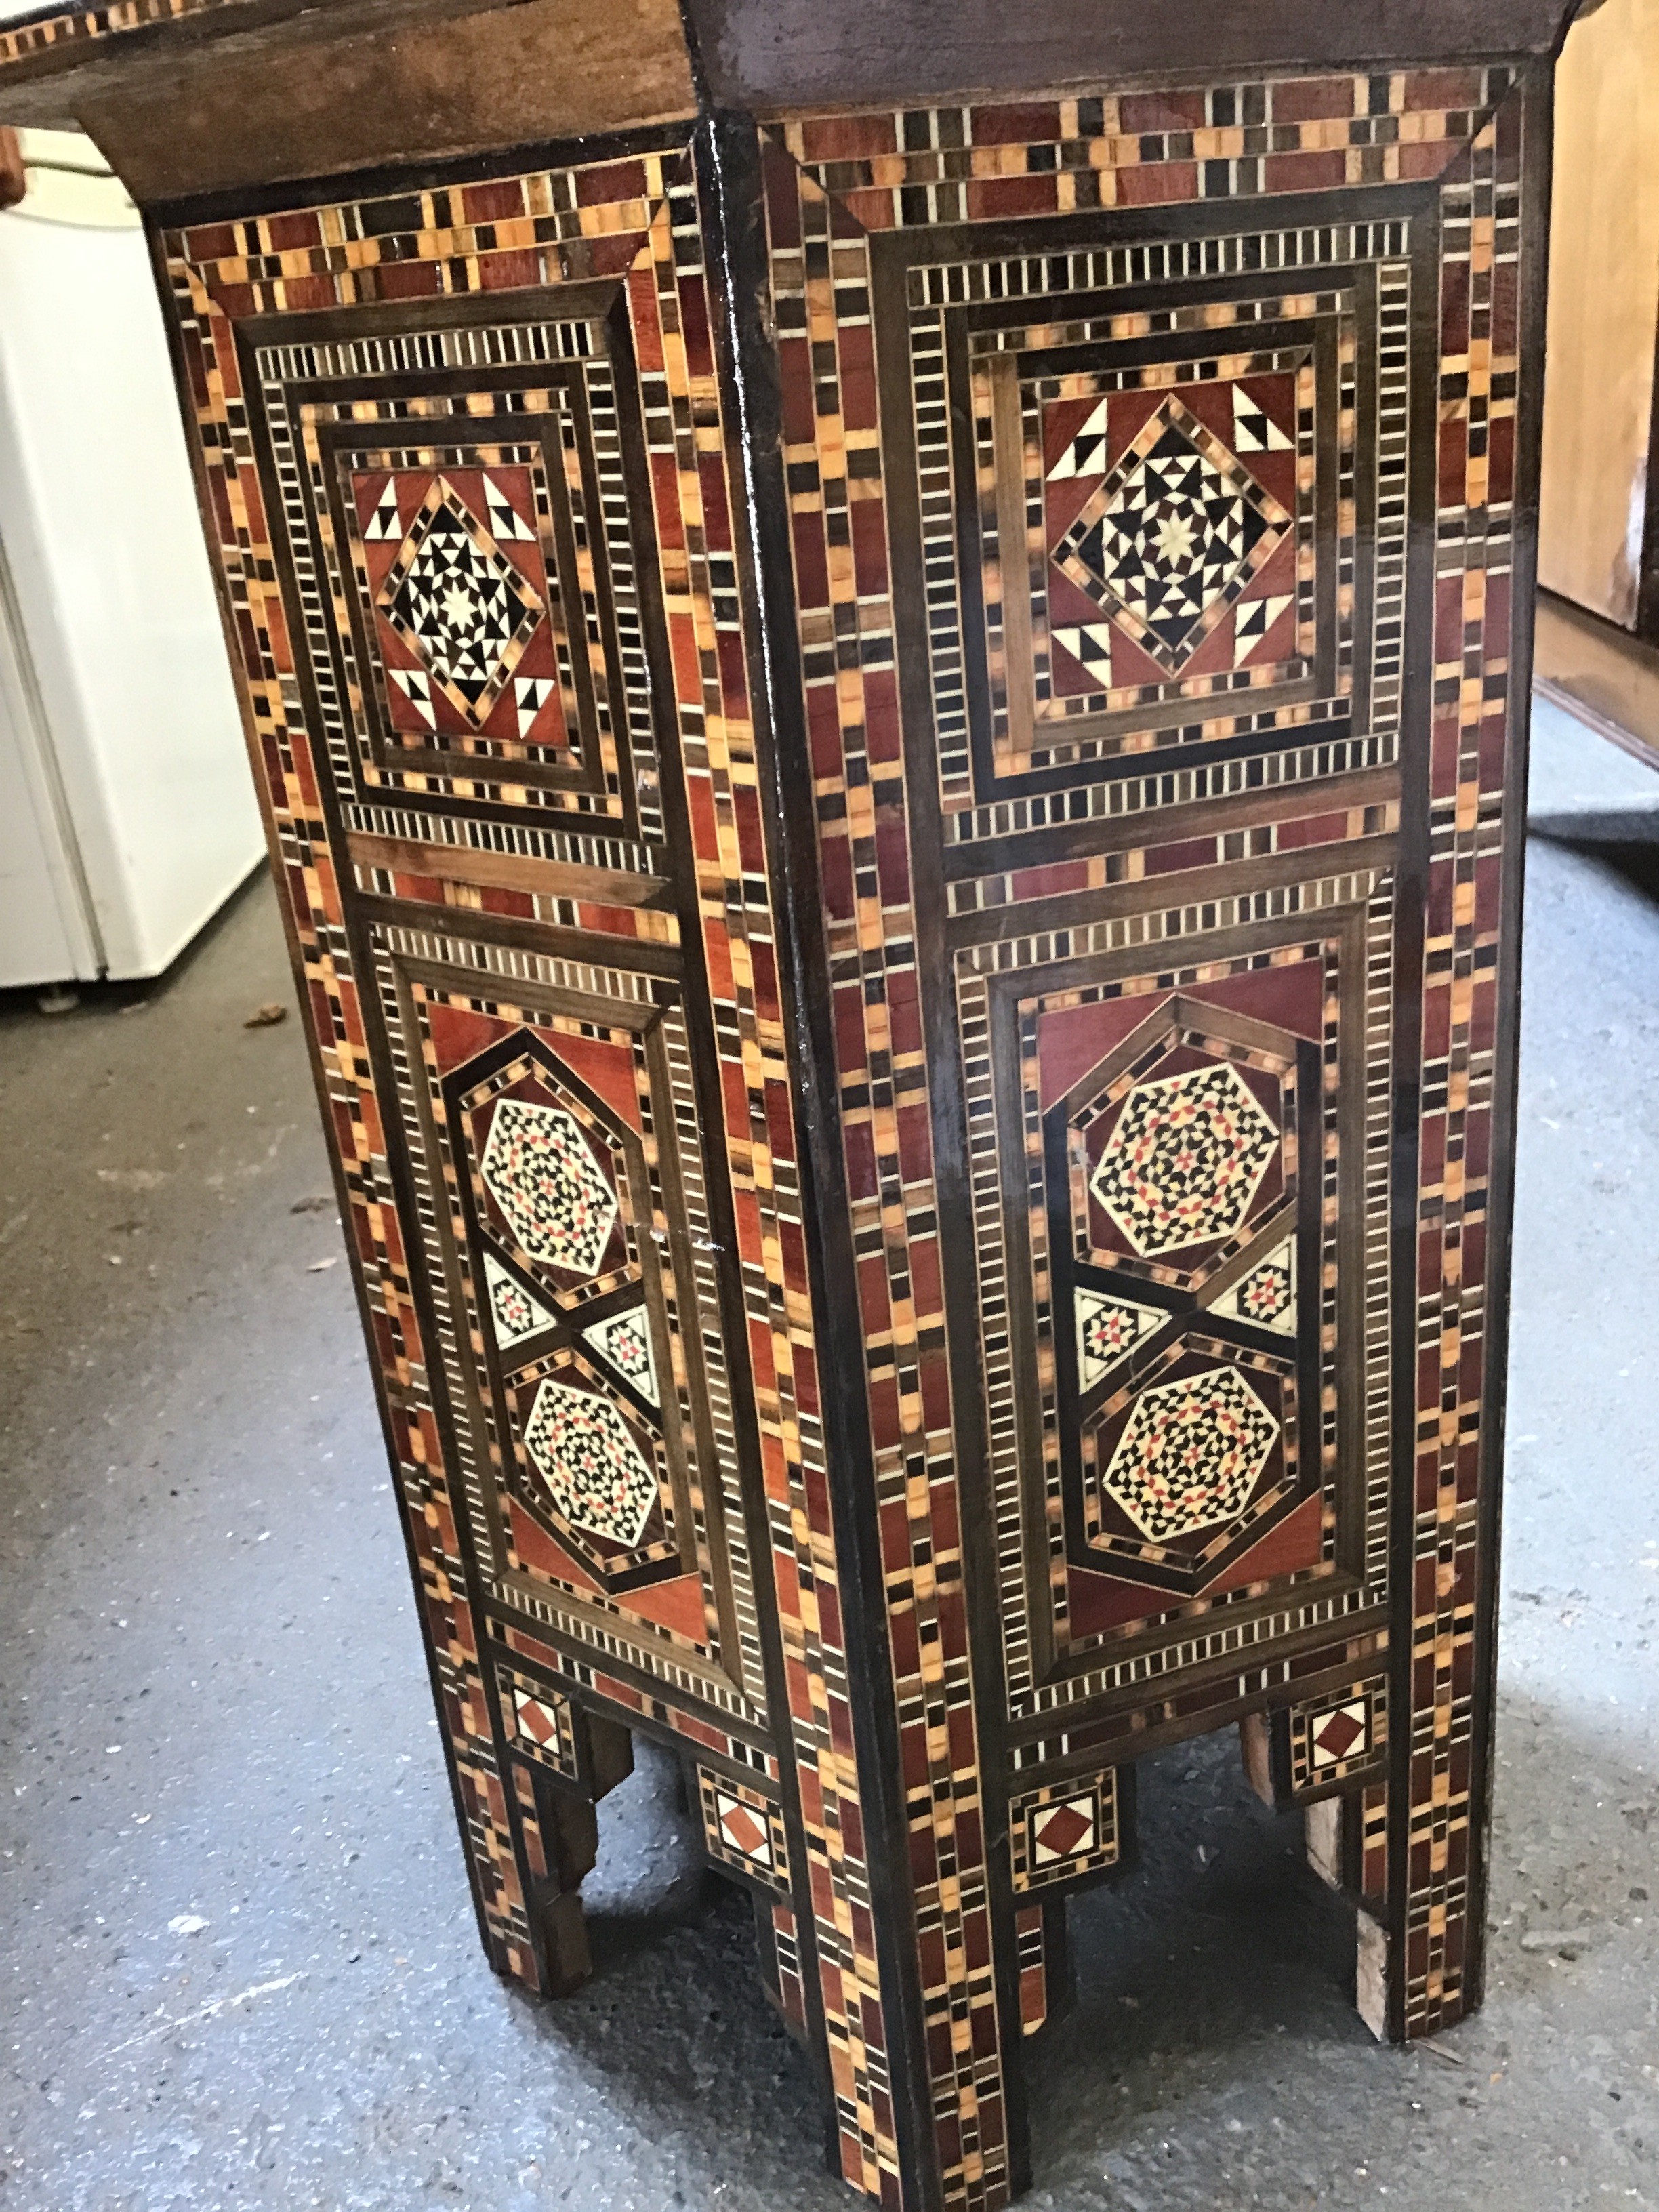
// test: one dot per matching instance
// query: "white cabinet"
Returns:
(127, 814)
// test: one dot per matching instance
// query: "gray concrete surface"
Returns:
(238, 1967)
(1584, 788)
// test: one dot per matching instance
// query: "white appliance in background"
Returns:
(127, 814)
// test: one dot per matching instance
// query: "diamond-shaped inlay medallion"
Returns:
(535, 1717)
(1065, 1830)
(1185, 1159)
(541, 1723)
(540, 1171)
(455, 599)
(595, 1473)
(1174, 530)
(1337, 1736)
(1191, 1453)
(743, 1828)
(625, 1341)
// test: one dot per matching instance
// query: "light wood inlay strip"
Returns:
(1013, 553)
(507, 872)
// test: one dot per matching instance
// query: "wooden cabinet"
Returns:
(888, 666)
(1598, 545)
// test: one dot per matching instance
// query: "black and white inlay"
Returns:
(1176, 529)
(458, 602)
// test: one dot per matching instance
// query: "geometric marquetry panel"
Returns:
(1123, 742)
(1262, 1025)
(603, 1501)
(1174, 1129)
(457, 647)
(1182, 554)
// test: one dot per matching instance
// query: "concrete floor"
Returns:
(238, 1964)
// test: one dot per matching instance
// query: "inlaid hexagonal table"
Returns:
(887, 651)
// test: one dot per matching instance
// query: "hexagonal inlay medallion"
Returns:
(1185, 1159)
(595, 1473)
(1191, 1453)
(541, 1171)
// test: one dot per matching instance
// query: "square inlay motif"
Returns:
(1169, 539)
(535, 1718)
(742, 1830)
(741, 1827)
(467, 559)
(465, 601)
(451, 596)
(1336, 1736)
(1154, 526)
(540, 1723)
(1065, 1830)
